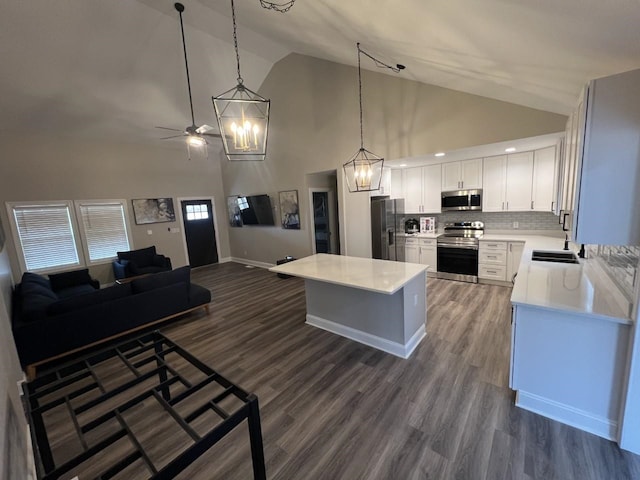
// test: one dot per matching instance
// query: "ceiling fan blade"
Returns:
(217, 135)
(172, 129)
(172, 136)
(204, 129)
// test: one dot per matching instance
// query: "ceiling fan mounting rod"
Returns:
(180, 9)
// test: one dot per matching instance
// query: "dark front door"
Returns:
(199, 232)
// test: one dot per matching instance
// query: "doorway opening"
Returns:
(198, 220)
(323, 206)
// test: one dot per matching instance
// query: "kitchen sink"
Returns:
(557, 257)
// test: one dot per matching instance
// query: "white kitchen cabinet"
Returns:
(519, 181)
(507, 181)
(412, 189)
(544, 180)
(608, 162)
(569, 367)
(431, 190)
(494, 177)
(429, 253)
(412, 251)
(492, 260)
(385, 183)
(421, 188)
(514, 256)
(396, 183)
(465, 174)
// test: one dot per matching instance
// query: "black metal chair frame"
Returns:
(154, 347)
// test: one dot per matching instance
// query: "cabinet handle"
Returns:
(507, 205)
(531, 204)
(502, 205)
(552, 206)
(491, 271)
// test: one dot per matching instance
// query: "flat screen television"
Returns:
(256, 210)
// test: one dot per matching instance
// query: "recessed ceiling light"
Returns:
(510, 149)
(440, 154)
(403, 164)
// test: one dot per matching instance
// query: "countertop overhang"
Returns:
(380, 276)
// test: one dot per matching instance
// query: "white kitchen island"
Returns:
(380, 303)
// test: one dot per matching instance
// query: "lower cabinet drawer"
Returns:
(493, 257)
(492, 272)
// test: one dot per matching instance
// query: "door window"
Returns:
(197, 212)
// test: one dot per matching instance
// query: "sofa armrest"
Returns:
(120, 268)
(162, 261)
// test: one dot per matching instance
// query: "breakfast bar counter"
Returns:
(380, 303)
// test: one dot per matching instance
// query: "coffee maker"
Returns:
(412, 225)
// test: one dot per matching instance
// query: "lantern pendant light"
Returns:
(363, 172)
(243, 116)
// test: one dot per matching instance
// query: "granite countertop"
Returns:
(582, 288)
(381, 276)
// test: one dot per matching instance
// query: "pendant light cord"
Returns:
(235, 41)
(186, 64)
(360, 96)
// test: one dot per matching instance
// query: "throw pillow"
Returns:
(28, 277)
(60, 281)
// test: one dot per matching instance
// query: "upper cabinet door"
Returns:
(412, 185)
(471, 173)
(464, 174)
(494, 179)
(396, 184)
(431, 191)
(544, 169)
(519, 181)
(451, 173)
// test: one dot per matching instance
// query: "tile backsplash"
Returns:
(498, 220)
(620, 262)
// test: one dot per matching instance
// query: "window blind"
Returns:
(104, 229)
(46, 236)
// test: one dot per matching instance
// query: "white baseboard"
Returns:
(225, 260)
(601, 426)
(253, 263)
(394, 348)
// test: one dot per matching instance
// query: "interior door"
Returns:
(199, 232)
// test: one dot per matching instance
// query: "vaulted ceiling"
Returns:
(95, 67)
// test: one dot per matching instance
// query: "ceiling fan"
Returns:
(195, 135)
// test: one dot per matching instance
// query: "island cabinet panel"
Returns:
(569, 367)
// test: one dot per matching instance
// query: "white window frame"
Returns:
(74, 230)
(83, 235)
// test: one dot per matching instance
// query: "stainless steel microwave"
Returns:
(462, 200)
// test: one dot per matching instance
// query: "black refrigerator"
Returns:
(386, 217)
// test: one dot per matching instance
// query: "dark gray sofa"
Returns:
(62, 325)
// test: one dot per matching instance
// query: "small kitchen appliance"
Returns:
(411, 225)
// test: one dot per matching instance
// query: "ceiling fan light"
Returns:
(196, 141)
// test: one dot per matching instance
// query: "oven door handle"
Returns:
(454, 245)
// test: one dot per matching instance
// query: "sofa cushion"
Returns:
(163, 279)
(198, 295)
(76, 290)
(141, 257)
(88, 299)
(36, 298)
(146, 270)
(60, 281)
(28, 277)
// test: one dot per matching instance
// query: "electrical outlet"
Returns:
(415, 300)
(149, 232)
(515, 225)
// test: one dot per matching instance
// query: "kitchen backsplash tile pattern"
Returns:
(620, 262)
(498, 220)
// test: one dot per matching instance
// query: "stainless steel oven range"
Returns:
(458, 251)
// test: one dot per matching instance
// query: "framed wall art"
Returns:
(289, 210)
(153, 210)
(233, 209)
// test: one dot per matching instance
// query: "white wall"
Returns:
(314, 127)
(10, 374)
(52, 168)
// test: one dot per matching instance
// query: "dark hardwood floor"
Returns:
(332, 408)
